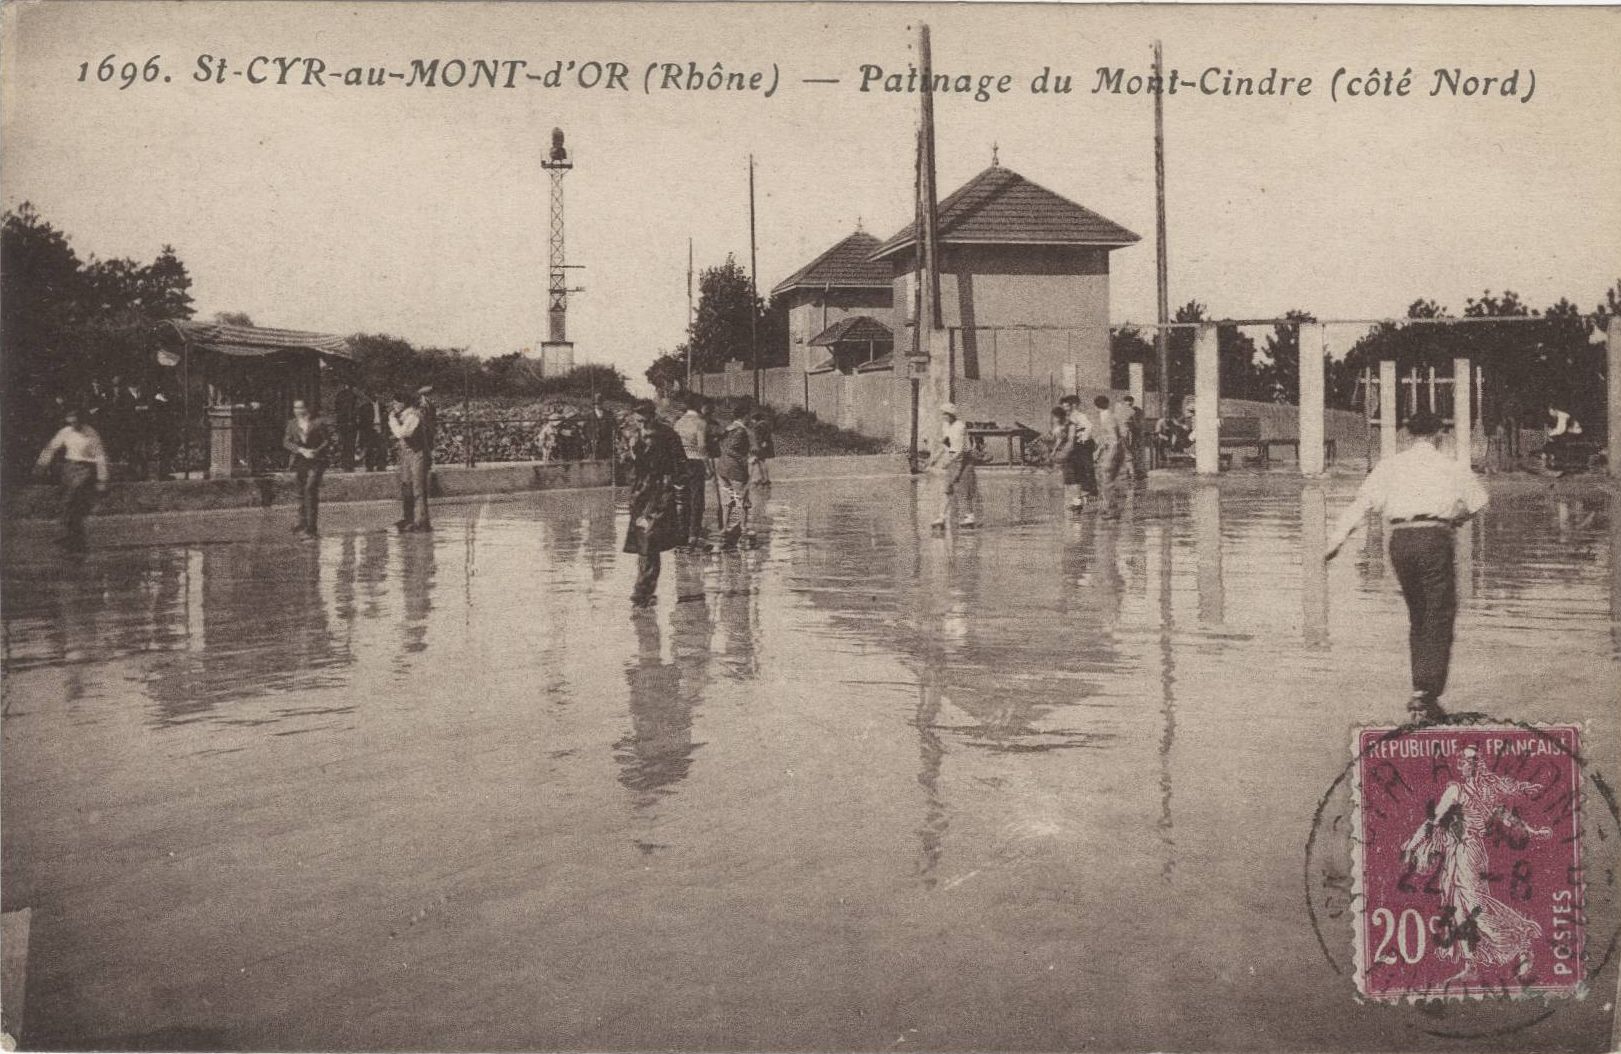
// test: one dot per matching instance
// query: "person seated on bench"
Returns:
(1173, 435)
(1563, 429)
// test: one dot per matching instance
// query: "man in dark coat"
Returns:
(658, 467)
(308, 440)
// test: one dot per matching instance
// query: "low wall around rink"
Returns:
(450, 482)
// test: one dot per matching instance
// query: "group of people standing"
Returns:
(671, 471)
(313, 443)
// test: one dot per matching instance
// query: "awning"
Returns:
(853, 329)
(252, 341)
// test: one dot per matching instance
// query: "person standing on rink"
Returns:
(406, 425)
(84, 474)
(1424, 496)
(732, 472)
(308, 441)
(959, 486)
(658, 471)
(1111, 436)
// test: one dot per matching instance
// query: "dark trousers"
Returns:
(1423, 560)
(697, 481)
(309, 475)
(78, 496)
(647, 575)
(414, 472)
(373, 448)
(346, 447)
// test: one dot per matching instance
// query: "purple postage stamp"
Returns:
(1467, 862)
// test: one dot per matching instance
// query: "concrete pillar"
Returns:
(1313, 568)
(1614, 341)
(1463, 411)
(1387, 408)
(1207, 553)
(1311, 398)
(1134, 383)
(1206, 401)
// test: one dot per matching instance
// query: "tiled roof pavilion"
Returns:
(847, 265)
(1001, 207)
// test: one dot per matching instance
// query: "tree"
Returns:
(668, 373)
(723, 328)
(232, 318)
(1277, 372)
(1127, 346)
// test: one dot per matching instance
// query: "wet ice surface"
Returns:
(1043, 785)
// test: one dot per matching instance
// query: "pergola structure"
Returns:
(246, 377)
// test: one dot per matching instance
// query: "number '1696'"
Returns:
(127, 73)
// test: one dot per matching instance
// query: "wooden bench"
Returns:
(1245, 433)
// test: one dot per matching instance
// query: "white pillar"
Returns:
(1387, 408)
(1134, 383)
(1311, 398)
(1614, 340)
(1206, 401)
(1207, 552)
(1463, 412)
(1313, 568)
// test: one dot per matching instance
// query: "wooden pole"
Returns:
(754, 292)
(1162, 336)
(689, 314)
(931, 217)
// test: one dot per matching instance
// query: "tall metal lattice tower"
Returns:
(557, 351)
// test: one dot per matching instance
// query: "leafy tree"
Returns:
(233, 318)
(1277, 371)
(668, 373)
(1127, 346)
(722, 330)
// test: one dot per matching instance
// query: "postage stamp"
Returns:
(1467, 865)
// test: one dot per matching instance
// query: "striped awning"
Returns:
(252, 341)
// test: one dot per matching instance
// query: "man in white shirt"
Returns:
(1424, 495)
(84, 473)
(696, 432)
(1111, 455)
(405, 423)
(957, 469)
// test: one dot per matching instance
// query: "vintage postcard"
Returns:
(858, 526)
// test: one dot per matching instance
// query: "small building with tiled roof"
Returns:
(1024, 281)
(843, 282)
(855, 343)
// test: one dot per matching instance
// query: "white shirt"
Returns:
(1082, 423)
(77, 444)
(405, 425)
(1418, 482)
(1563, 424)
(954, 437)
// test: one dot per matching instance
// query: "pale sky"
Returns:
(423, 212)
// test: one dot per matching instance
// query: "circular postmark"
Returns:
(1466, 870)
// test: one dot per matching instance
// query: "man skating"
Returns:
(84, 474)
(956, 464)
(1424, 496)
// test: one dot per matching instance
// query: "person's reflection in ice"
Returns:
(658, 751)
(343, 592)
(601, 544)
(739, 613)
(416, 585)
(692, 627)
(373, 571)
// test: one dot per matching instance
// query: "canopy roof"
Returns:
(252, 341)
(853, 329)
(1001, 207)
(847, 265)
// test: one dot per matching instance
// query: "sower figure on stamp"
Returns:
(1487, 932)
(658, 469)
(1424, 495)
(84, 473)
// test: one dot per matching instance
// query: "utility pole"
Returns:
(689, 314)
(754, 292)
(931, 216)
(1162, 336)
